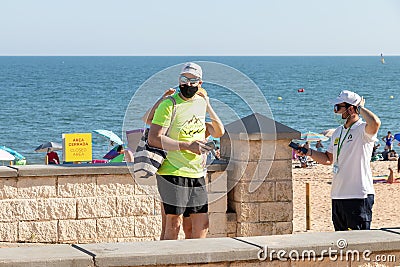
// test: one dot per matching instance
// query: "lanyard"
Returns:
(341, 144)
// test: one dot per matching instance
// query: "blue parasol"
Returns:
(112, 153)
(49, 146)
(397, 137)
(17, 155)
(6, 156)
(313, 137)
(109, 135)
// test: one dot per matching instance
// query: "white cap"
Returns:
(192, 68)
(348, 97)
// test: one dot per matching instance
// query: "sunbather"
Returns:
(391, 178)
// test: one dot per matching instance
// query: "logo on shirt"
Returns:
(349, 138)
(336, 142)
(193, 126)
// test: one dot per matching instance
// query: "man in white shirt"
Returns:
(350, 153)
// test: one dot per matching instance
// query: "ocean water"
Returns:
(43, 97)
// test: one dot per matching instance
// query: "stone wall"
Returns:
(102, 203)
(259, 175)
(81, 204)
(262, 193)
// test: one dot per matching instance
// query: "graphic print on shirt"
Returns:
(336, 141)
(350, 138)
(193, 126)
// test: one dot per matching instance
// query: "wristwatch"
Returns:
(359, 109)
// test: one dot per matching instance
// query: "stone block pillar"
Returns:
(259, 175)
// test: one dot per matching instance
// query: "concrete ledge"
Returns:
(246, 249)
(374, 240)
(217, 166)
(80, 169)
(49, 256)
(70, 169)
(203, 251)
(171, 252)
(7, 172)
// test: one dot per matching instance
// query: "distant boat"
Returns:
(382, 59)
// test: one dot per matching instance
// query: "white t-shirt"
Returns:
(354, 178)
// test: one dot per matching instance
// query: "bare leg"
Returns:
(162, 236)
(172, 226)
(187, 227)
(200, 225)
(391, 177)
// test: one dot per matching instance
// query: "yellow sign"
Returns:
(77, 147)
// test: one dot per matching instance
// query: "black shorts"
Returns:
(352, 214)
(183, 195)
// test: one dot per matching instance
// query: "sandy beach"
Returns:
(386, 210)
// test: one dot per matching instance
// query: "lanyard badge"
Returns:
(335, 168)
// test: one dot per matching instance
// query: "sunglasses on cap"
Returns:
(184, 79)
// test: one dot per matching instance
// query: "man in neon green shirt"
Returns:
(180, 179)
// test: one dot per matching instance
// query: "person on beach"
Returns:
(388, 139)
(319, 146)
(374, 156)
(52, 158)
(350, 152)
(180, 179)
(128, 155)
(385, 154)
(120, 154)
(375, 149)
(392, 156)
(303, 161)
(391, 178)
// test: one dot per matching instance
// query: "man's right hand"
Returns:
(196, 147)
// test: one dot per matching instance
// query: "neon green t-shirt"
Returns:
(187, 125)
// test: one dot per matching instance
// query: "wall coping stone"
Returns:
(171, 252)
(49, 256)
(8, 172)
(259, 127)
(200, 251)
(379, 240)
(81, 169)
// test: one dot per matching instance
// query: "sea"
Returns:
(44, 97)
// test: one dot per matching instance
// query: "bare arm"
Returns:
(324, 158)
(208, 129)
(216, 129)
(373, 122)
(157, 138)
(148, 116)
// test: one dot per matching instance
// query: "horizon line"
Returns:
(200, 55)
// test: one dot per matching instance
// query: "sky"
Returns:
(206, 27)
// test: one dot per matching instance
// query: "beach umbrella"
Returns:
(49, 146)
(313, 137)
(397, 137)
(110, 135)
(112, 153)
(5, 155)
(328, 132)
(17, 155)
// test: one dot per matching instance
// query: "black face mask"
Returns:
(188, 91)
